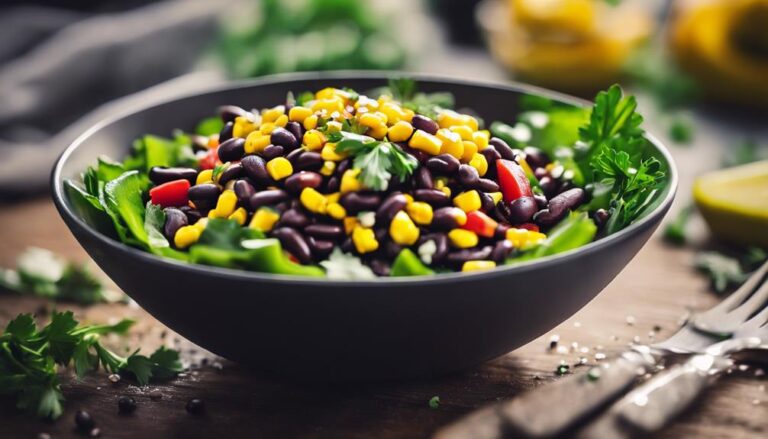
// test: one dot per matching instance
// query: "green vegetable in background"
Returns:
(674, 232)
(30, 356)
(408, 263)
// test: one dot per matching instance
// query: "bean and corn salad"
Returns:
(340, 184)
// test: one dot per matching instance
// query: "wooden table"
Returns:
(656, 289)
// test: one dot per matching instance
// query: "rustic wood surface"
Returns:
(657, 289)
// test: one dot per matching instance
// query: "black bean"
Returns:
(541, 201)
(380, 233)
(204, 196)
(256, 169)
(540, 173)
(443, 163)
(491, 155)
(126, 405)
(486, 202)
(389, 208)
(347, 246)
(559, 206)
(193, 215)
(244, 191)
(295, 183)
(355, 202)
(423, 178)
(342, 166)
(501, 212)
(468, 176)
(441, 246)
(548, 185)
(321, 248)
(296, 129)
(233, 171)
(601, 217)
(468, 254)
(267, 198)
(294, 155)
(308, 160)
(199, 143)
(501, 250)
(324, 231)
(432, 196)
(232, 149)
(284, 138)
(419, 155)
(334, 183)
(294, 243)
(522, 210)
(535, 157)
(228, 113)
(379, 267)
(174, 220)
(425, 124)
(392, 249)
(504, 150)
(501, 231)
(195, 406)
(84, 421)
(272, 151)
(226, 132)
(294, 218)
(160, 174)
(487, 185)
(444, 218)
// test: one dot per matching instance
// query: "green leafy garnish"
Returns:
(723, 271)
(674, 232)
(378, 161)
(30, 357)
(426, 104)
(209, 126)
(434, 402)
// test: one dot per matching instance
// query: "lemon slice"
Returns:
(734, 203)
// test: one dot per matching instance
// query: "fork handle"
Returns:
(658, 401)
(551, 409)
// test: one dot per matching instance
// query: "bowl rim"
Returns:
(73, 220)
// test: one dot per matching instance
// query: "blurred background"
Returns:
(699, 67)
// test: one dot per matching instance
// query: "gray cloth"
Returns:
(76, 64)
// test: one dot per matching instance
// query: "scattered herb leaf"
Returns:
(723, 271)
(434, 402)
(674, 232)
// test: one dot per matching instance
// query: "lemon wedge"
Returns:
(734, 203)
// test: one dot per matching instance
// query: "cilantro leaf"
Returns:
(377, 161)
(165, 363)
(723, 271)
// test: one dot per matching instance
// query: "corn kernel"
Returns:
(281, 121)
(480, 163)
(378, 132)
(313, 140)
(333, 126)
(299, 114)
(350, 222)
(333, 197)
(459, 216)
(524, 238)
(446, 190)
(242, 127)
(526, 167)
(468, 201)
(461, 238)
(267, 127)
(201, 224)
(313, 200)
(225, 205)
(393, 112)
(205, 176)
(470, 149)
(478, 266)
(402, 229)
(186, 236)
(420, 212)
(329, 105)
(239, 215)
(328, 168)
(329, 153)
(336, 211)
(440, 182)
(408, 199)
(271, 114)
(449, 118)
(463, 131)
(310, 123)
(408, 115)
(425, 142)
(350, 182)
(370, 120)
(279, 168)
(366, 103)
(481, 139)
(496, 196)
(256, 142)
(364, 240)
(326, 93)
(400, 132)
(451, 143)
(264, 219)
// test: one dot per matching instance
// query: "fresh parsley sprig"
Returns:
(377, 160)
(29, 359)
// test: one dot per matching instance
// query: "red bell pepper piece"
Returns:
(513, 181)
(210, 160)
(528, 226)
(171, 194)
(481, 224)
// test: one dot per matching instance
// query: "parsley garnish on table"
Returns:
(378, 161)
(30, 358)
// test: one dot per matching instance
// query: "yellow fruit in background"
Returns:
(555, 16)
(724, 45)
(734, 203)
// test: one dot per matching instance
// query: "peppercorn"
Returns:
(195, 406)
(126, 404)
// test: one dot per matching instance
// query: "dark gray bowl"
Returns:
(386, 328)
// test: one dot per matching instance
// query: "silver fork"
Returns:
(651, 406)
(578, 397)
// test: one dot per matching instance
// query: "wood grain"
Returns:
(657, 288)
